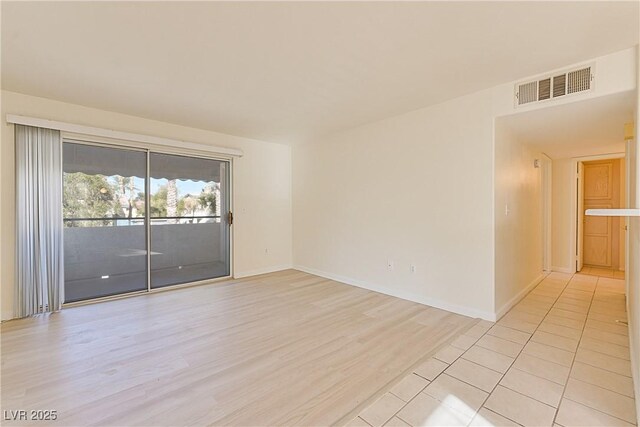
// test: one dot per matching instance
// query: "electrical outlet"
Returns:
(412, 268)
(390, 264)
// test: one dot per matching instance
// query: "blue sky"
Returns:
(184, 186)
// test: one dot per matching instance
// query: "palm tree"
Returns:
(172, 200)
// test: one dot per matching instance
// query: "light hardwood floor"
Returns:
(286, 348)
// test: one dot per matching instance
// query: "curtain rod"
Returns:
(115, 134)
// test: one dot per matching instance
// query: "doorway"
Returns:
(600, 243)
(137, 220)
(569, 135)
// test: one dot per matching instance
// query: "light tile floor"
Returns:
(558, 358)
(602, 272)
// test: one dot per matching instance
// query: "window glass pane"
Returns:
(104, 226)
(188, 208)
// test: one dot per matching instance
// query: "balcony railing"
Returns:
(124, 221)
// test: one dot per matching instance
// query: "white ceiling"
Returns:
(293, 70)
(585, 128)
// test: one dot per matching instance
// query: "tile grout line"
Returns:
(579, 403)
(591, 299)
(605, 369)
(510, 366)
(532, 398)
(573, 360)
(440, 374)
(594, 409)
(396, 414)
(412, 372)
(521, 350)
(437, 376)
(565, 287)
(596, 385)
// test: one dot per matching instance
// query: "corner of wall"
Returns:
(519, 296)
(258, 271)
(402, 294)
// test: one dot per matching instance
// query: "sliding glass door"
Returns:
(137, 220)
(105, 243)
(189, 235)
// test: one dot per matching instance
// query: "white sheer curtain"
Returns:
(40, 264)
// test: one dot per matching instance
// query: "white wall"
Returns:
(416, 189)
(622, 232)
(261, 182)
(5, 176)
(633, 268)
(562, 219)
(519, 232)
(615, 73)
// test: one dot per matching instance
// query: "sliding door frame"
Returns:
(149, 149)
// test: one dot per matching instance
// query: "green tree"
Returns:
(125, 189)
(172, 199)
(208, 201)
(158, 202)
(188, 205)
(87, 196)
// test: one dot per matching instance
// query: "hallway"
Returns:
(559, 357)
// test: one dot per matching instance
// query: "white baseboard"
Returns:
(409, 296)
(562, 270)
(516, 299)
(264, 270)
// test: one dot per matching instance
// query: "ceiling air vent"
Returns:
(527, 92)
(559, 85)
(579, 80)
(544, 89)
(554, 86)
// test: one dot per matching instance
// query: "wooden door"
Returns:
(601, 191)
